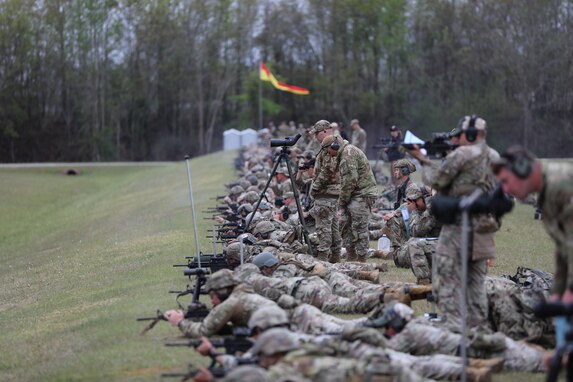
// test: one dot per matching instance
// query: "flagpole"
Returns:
(260, 101)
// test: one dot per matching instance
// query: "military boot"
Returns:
(334, 257)
(372, 276)
(379, 254)
(351, 255)
(478, 374)
(495, 364)
(424, 281)
(382, 267)
(322, 255)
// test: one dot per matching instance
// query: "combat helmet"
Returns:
(236, 190)
(268, 317)
(265, 259)
(273, 341)
(263, 227)
(223, 278)
(415, 191)
(405, 163)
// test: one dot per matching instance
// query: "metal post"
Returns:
(197, 253)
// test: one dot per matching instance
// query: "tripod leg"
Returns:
(298, 207)
(262, 195)
(555, 365)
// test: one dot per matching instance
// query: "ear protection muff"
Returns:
(335, 145)
(405, 170)
(519, 165)
(471, 131)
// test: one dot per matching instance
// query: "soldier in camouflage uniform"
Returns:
(521, 173)
(418, 249)
(421, 337)
(232, 302)
(460, 174)
(325, 190)
(357, 195)
(358, 135)
(401, 172)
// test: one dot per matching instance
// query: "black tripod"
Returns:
(284, 155)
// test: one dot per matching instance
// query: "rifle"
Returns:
(196, 311)
(217, 372)
(439, 146)
(213, 262)
(386, 143)
(237, 343)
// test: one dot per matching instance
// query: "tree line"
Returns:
(99, 80)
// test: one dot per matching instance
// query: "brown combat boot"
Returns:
(424, 281)
(334, 257)
(351, 256)
(378, 254)
(382, 267)
(495, 364)
(322, 256)
(372, 276)
(478, 374)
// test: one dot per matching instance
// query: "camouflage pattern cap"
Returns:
(405, 163)
(354, 122)
(273, 341)
(221, 279)
(327, 141)
(320, 126)
(464, 123)
(416, 191)
(268, 317)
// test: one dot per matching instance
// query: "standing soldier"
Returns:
(357, 195)
(325, 190)
(401, 174)
(520, 174)
(358, 135)
(463, 171)
(393, 152)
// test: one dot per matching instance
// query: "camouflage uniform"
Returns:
(359, 139)
(511, 304)
(237, 309)
(463, 171)
(555, 202)
(357, 196)
(325, 191)
(421, 338)
(311, 290)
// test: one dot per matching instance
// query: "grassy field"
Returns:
(82, 256)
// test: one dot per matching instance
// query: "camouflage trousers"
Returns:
(354, 227)
(327, 229)
(315, 291)
(449, 291)
(309, 319)
(449, 272)
(416, 253)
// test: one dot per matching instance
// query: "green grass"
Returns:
(81, 257)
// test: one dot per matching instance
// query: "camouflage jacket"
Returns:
(356, 177)
(463, 171)
(556, 202)
(237, 309)
(359, 139)
(326, 179)
(424, 224)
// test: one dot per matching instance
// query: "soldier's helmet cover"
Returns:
(405, 163)
(416, 191)
(263, 227)
(268, 317)
(396, 315)
(276, 340)
(221, 279)
(265, 259)
(235, 190)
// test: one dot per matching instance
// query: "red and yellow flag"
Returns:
(266, 75)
